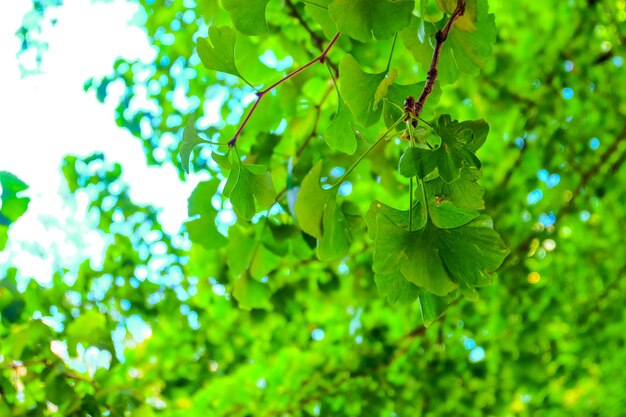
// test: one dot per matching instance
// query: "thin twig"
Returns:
(260, 94)
(440, 37)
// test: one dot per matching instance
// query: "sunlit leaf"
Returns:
(218, 51)
(362, 19)
(248, 15)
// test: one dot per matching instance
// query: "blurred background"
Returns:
(98, 270)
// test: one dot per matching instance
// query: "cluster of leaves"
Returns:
(447, 245)
(246, 321)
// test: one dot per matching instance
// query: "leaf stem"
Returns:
(262, 93)
(367, 151)
(410, 204)
(423, 185)
(411, 144)
(314, 4)
(393, 45)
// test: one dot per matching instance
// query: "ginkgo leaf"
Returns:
(319, 14)
(399, 217)
(445, 215)
(248, 16)
(464, 192)
(219, 53)
(472, 252)
(318, 215)
(459, 141)
(358, 89)
(365, 93)
(203, 230)
(438, 260)
(382, 90)
(251, 293)
(396, 288)
(433, 306)
(247, 186)
(471, 48)
(335, 241)
(190, 141)
(340, 134)
(463, 52)
(362, 19)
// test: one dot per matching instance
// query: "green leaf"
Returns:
(335, 240)
(445, 215)
(464, 192)
(12, 207)
(248, 253)
(471, 48)
(203, 230)
(321, 16)
(396, 288)
(29, 339)
(340, 134)
(462, 53)
(89, 329)
(250, 293)
(219, 53)
(240, 250)
(250, 188)
(383, 88)
(318, 215)
(309, 207)
(399, 217)
(472, 252)
(439, 260)
(417, 162)
(263, 262)
(413, 254)
(248, 16)
(190, 141)
(433, 306)
(359, 88)
(459, 141)
(360, 19)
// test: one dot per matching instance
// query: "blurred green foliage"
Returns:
(243, 319)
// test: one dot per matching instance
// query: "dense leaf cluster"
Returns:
(268, 302)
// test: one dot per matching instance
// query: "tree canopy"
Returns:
(410, 208)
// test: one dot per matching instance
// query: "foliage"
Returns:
(343, 192)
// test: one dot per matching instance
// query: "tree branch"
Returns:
(416, 107)
(260, 94)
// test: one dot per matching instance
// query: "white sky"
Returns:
(47, 116)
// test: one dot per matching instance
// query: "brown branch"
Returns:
(416, 107)
(260, 94)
